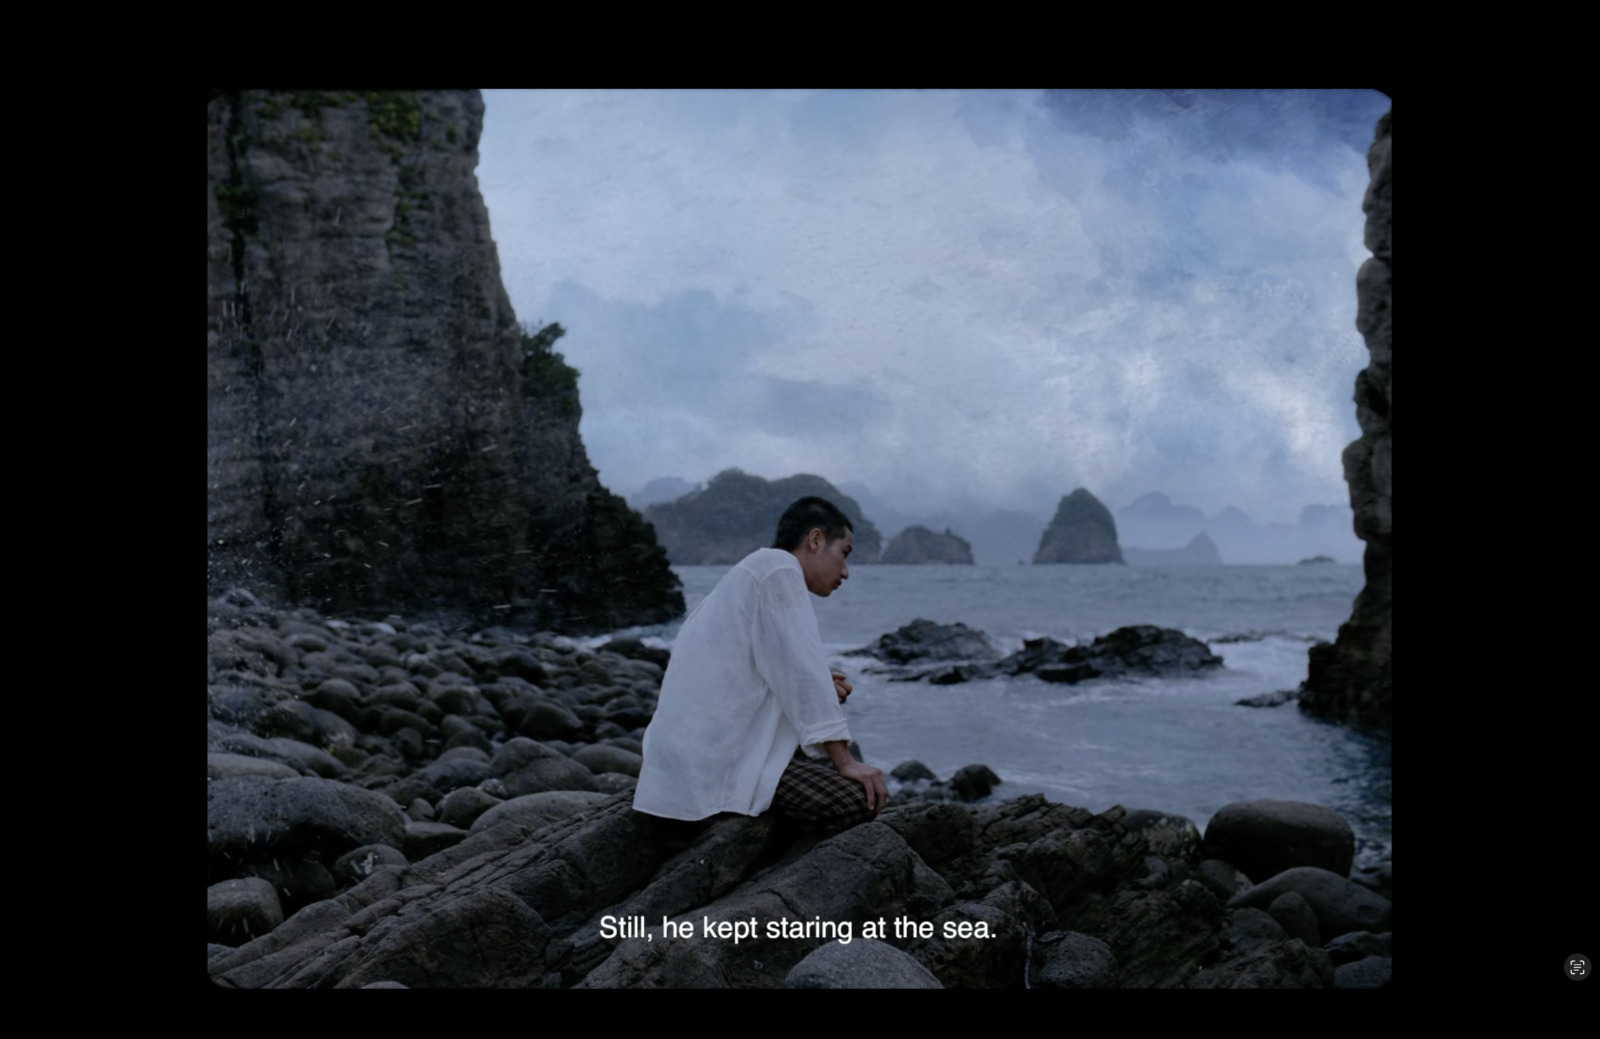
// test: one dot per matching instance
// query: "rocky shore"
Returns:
(396, 803)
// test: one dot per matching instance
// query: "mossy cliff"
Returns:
(375, 439)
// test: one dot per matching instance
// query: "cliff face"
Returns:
(738, 513)
(1351, 680)
(376, 438)
(921, 545)
(1082, 531)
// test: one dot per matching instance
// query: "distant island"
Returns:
(920, 545)
(1200, 551)
(737, 513)
(1317, 561)
(1081, 532)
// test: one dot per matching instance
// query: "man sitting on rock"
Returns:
(747, 684)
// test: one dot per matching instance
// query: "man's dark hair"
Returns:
(798, 520)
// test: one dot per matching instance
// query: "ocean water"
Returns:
(1178, 745)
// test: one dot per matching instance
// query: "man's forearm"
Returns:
(838, 752)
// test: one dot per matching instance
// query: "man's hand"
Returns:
(871, 779)
(842, 686)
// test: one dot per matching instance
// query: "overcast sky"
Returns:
(995, 294)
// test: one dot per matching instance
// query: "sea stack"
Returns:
(1081, 532)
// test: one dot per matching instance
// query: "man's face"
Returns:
(825, 563)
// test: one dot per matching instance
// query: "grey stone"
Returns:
(358, 864)
(463, 806)
(257, 817)
(862, 963)
(1357, 945)
(1222, 878)
(600, 759)
(536, 811)
(1073, 961)
(1341, 905)
(227, 766)
(1169, 836)
(242, 909)
(1294, 915)
(1372, 972)
(973, 782)
(1266, 837)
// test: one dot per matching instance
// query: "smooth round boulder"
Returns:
(1264, 838)
(599, 759)
(1341, 904)
(1372, 972)
(462, 807)
(911, 771)
(861, 963)
(539, 810)
(973, 782)
(239, 910)
(1295, 916)
(256, 817)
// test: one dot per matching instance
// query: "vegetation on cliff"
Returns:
(920, 545)
(738, 513)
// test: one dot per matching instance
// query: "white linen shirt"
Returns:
(746, 684)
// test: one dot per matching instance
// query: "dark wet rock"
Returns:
(863, 963)
(1376, 878)
(1266, 837)
(1168, 835)
(1372, 972)
(423, 839)
(239, 910)
(296, 880)
(447, 774)
(908, 771)
(598, 759)
(1137, 651)
(973, 782)
(615, 783)
(1082, 531)
(420, 810)
(461, 807)
(223, 765)
(524, 766)
(537, 810)
(256, 817)
(1294, 915)
(1340, 904)
(1358, 945)
(302, 757)
(959, 959)
(357, 864)
(1068, 960)
(924, 640)
(1282, 696)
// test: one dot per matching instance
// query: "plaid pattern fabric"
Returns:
(820, 799)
